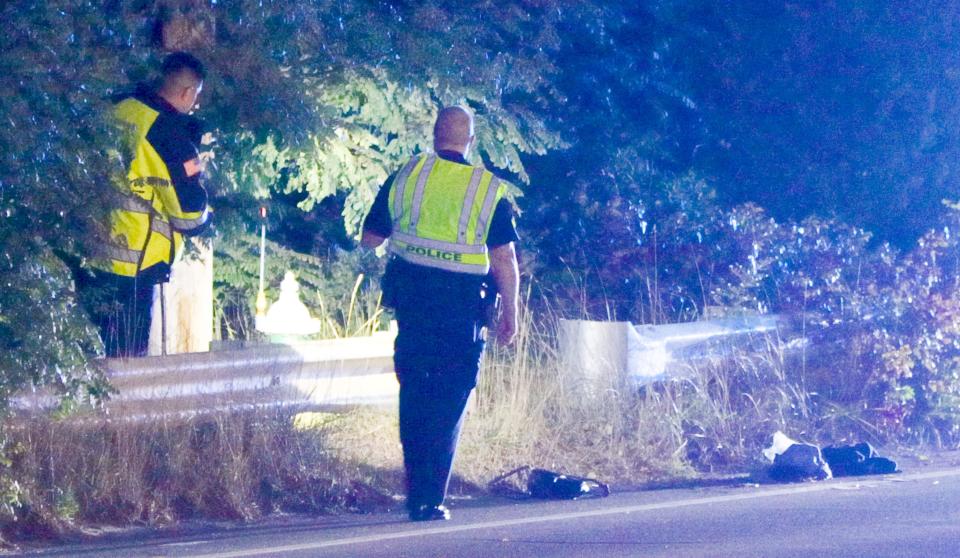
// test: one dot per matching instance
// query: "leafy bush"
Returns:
(880, 325)
(59, 60)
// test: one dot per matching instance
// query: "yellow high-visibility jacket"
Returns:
(163, 198)
(441, 213)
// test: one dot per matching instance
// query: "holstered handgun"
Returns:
(388, 286)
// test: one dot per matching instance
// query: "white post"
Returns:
(187, 313)
(261, 296)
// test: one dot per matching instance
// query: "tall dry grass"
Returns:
(528, 410)
(236, 466)
(716, 416)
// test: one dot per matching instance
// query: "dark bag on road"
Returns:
(857, 459)
(798, 463)
(547, 485)
(554, 486)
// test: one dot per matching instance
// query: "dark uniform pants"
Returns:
(437, 359)
(121, 308)
(437, 371)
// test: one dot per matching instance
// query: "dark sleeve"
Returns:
(378, 220)
(195, 130)
(502, 229)
(172, 137)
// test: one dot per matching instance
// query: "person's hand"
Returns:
(507, 328)
(206, 151)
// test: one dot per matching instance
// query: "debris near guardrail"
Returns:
(325, 375)
(794, 461)
(546, 485)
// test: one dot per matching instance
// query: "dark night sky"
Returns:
(843, 108)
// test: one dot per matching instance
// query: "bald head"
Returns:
(453, 130)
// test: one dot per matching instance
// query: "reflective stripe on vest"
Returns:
(441, 213)
(121, 254)
(143, 231)
(418, 191)
(135, 204)
(486, 212)
(400, 186)
(161, 227)
(464, 223)
(190, 223)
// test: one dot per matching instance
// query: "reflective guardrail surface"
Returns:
(310, 375)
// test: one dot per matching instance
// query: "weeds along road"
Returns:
(910, 514)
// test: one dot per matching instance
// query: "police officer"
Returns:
(450, 228)
(161, 201)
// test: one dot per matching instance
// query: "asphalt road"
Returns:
(909, 514)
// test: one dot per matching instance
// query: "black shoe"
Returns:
(430, 513)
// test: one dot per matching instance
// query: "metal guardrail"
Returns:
(603, 353)
(330, 374)
(335, 374)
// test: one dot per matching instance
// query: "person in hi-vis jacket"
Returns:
(161, 201)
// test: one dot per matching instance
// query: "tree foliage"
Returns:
(321, 98)
(374, 127)
(57, 63)
(622, 95)
(830, 108)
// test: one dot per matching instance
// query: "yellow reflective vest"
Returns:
(441, 213)
(162, 198)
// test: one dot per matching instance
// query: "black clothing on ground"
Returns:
(857, 459)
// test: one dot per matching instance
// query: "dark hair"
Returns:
(176, 62)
